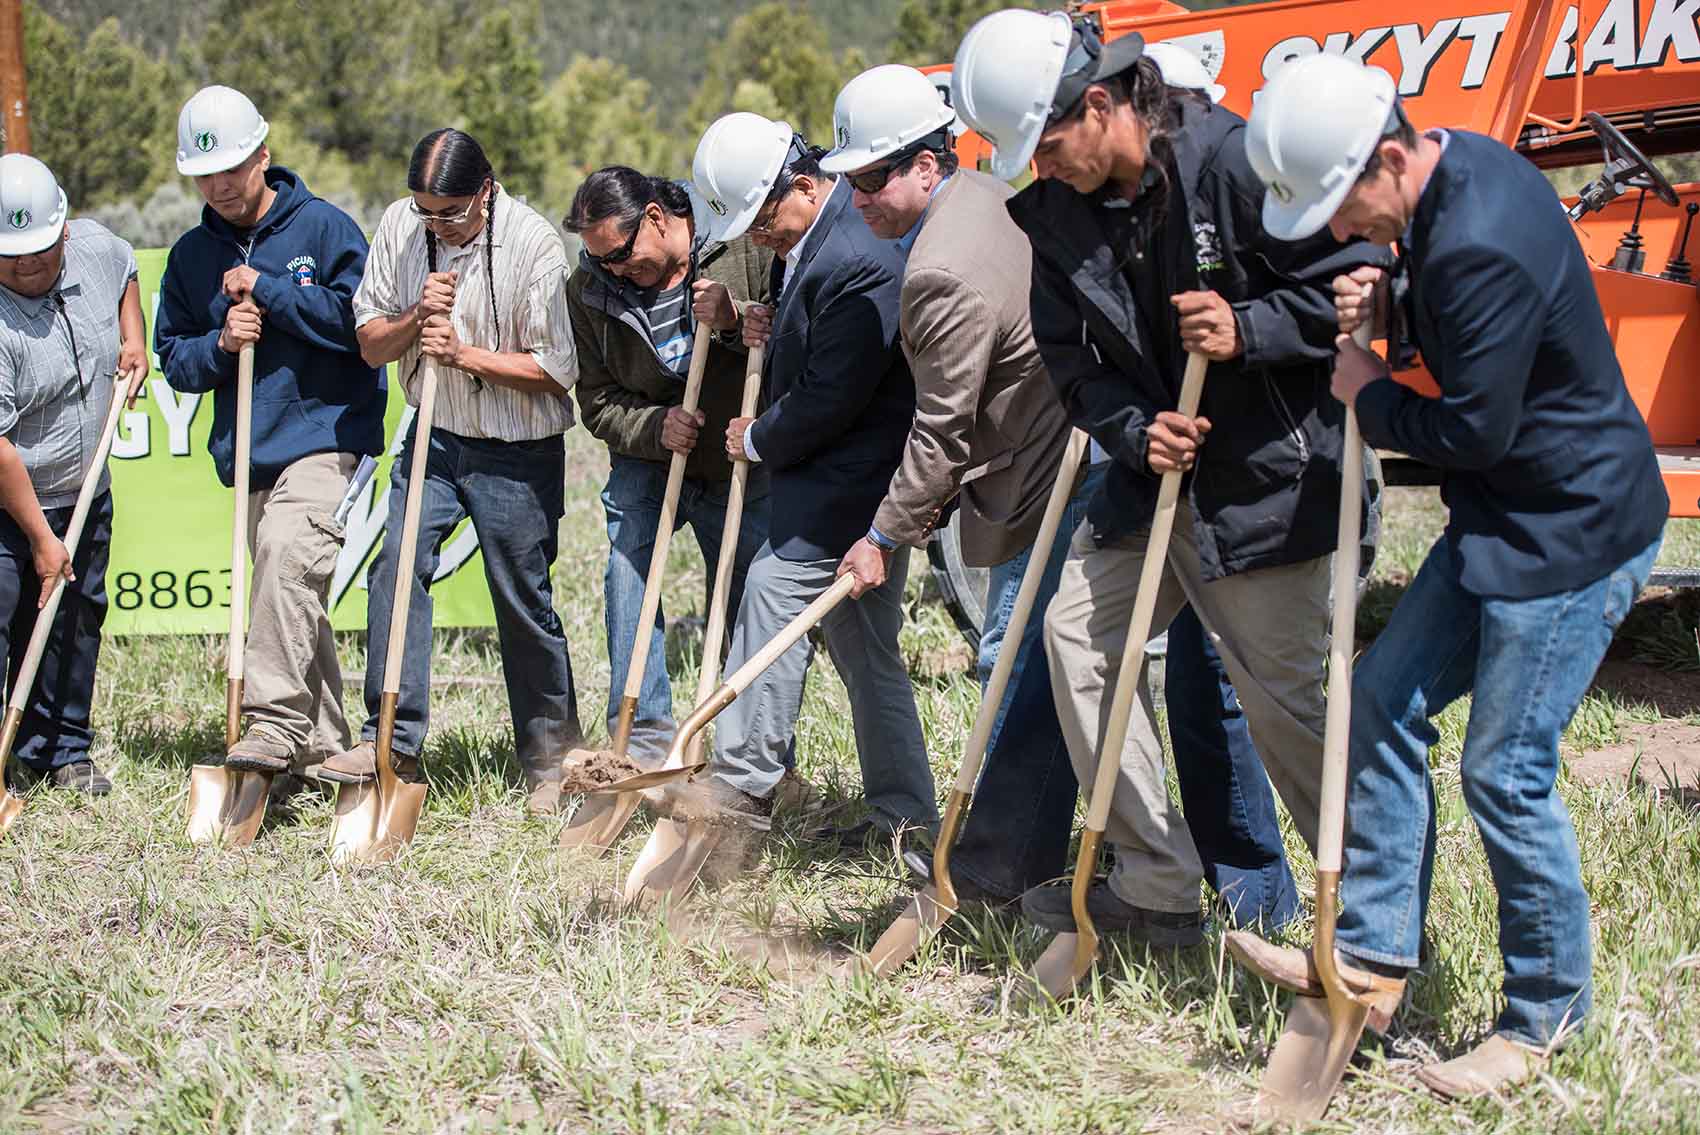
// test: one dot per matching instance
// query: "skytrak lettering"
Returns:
(1616, 39)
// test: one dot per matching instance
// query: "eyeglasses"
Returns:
(459, 218)
(765, 218)
(619, 255)
(871, 181)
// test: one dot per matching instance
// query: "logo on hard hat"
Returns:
(206, 141)
(1281, 192)
(717, 205)
(18, 218)
(843, 136)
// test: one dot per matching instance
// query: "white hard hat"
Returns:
(1310, 135)
(216, 130)
(1181, 68)
(882, 111)
(736, 165)
(1017, 71)
(941, 80)
(32, 206)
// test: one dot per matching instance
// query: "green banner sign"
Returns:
(170, 571)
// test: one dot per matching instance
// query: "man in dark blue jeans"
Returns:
(1556, 513)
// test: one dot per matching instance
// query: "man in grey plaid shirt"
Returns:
(70, 326)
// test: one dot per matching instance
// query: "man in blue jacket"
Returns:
(274, 266)
(840, 400)
(1557, 511)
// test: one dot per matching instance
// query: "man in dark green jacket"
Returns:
(645, 280)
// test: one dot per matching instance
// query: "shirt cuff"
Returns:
(880, 540)
(750, 444)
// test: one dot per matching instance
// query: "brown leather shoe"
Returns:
(261, 752)
(543, 792)
(360, 766)
(1487, 1069)
(1292, 968)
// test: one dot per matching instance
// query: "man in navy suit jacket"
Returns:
(1557, 511)
(839, 402)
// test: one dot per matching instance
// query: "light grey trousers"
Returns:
(754, 734)
(292, 687)
(1270, 627)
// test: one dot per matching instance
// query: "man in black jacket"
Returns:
(1147, 246)
(839, 403)
(1557, 511)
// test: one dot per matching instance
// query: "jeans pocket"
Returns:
(1621, 590)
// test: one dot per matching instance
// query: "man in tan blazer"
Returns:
(988, 431)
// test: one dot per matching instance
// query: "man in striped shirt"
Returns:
(464, 278)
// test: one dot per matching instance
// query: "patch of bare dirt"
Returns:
(1664, 755)
(1672, 693)
(597, 770)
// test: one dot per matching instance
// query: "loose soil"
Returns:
(598, 769)
(1663, 755)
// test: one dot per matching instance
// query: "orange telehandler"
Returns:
(1508, 68)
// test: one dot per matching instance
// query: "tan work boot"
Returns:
(260, 751)
(1292, 968)
(360, 766)
(795, 794)
(543, 792)
(1487, 1069)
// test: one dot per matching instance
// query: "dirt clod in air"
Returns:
(597, 770)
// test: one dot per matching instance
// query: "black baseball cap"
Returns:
(1091, 60)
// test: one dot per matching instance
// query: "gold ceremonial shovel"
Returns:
(600, 819)
(375, 821)
(24, 680)
(1321, 1033)
(677, 849)
(224, 804)
(933, 905)
(1069, 957)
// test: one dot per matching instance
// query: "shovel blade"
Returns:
(373, 826)
(653, 779)
(671, 861)
(226, 806)
(1065, 962)
(599, 821)
(1316, 1044)
(10, 808)
(919, 921)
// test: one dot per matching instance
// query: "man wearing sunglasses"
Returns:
(1148, 247)
(70, 329)
(840, 399)
(647, 278)
(273, 267)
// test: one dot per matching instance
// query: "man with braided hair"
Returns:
(464, 278)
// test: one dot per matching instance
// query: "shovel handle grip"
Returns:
(664, 529)
(1144, 605)
(239, 525)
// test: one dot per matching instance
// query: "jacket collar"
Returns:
(1449, 176)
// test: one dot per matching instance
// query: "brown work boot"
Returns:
(543, 791)
(360, 766)
(260, 751)
(795, 794)
(1492, 1066)
(1292, 968)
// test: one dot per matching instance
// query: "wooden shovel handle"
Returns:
(408, 554)
(24, 679)
(1139, 626)
(715, 636)
(740, 678)
(1038, 559)
(239, 527)
(1331, 822)
(664, 530)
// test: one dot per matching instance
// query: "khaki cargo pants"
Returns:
(1270, 627)
(293, 685)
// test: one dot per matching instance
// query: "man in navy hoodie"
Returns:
(274, 266)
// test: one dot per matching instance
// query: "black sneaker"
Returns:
(920, 865)
(855, 836)
(1051, 906)
(81, 776)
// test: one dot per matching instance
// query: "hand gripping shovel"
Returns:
(1321, 1033)
(933, 905)
(24, 680)
(600, 818)
(676, 851)
(224, 804)
(1069, 957)
(375, 821)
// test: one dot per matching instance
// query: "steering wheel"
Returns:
(1623, 158)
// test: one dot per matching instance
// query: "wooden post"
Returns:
(14, 89)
